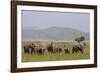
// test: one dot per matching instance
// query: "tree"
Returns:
(76, 39)
(80, 39)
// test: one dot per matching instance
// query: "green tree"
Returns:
(76, 39)
(80, 39)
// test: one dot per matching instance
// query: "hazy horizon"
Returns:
(39, 28)
(42, 20)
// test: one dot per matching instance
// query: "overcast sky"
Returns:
(42, 19)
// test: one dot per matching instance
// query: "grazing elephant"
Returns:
(78, 48)
(38, 49)
(53, 48)
(50, 48)
(29, 49)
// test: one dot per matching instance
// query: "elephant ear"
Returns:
(81, 45)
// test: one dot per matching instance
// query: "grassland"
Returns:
(57, 56)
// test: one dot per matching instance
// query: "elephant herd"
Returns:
(51, 48)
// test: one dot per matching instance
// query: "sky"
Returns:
(44, 19)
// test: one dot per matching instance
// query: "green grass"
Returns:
(57, 56)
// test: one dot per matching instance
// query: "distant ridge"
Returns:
(53, 33)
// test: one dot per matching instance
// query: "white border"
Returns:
(53, 63)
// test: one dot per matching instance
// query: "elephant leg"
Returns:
(73, 51)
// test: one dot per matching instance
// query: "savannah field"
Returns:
(55, 56)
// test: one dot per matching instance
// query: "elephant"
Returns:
(78, 48)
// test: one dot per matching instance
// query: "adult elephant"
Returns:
(78, 48)
(54, 48)
(39, 49)
(29, 49)
(50, 48)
